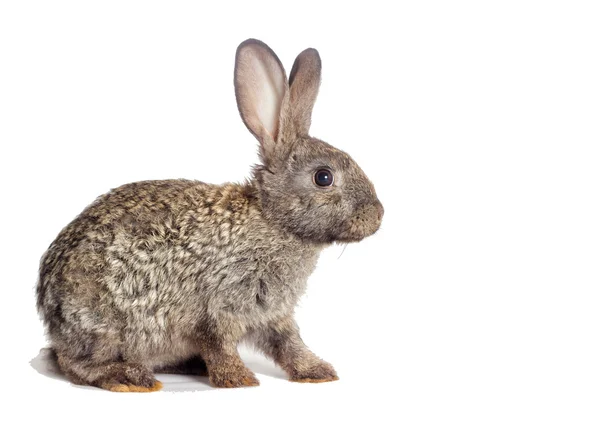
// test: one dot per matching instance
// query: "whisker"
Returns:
(343, 250)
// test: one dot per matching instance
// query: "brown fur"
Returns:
(119, 387)
(170, 276)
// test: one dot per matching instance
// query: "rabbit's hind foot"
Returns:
(113, 376)
(127, 377)
(121, 387)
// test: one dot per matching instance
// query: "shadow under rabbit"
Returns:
(45, 364)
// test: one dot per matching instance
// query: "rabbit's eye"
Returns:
(323, 177)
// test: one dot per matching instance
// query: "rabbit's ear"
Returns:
(260, 89)
(305, 79)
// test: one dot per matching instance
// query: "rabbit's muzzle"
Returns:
(365, 221)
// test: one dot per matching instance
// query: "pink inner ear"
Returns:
(263, 85)
(269, 93)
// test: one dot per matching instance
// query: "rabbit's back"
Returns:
(147, 265)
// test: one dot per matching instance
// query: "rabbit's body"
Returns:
(168, 260)
(171, 276)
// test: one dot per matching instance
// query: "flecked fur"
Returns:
(169, 276)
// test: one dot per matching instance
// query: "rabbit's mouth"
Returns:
(365, 222)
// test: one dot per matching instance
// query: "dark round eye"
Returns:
(323, 177)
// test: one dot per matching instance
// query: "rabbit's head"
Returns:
(305, 185)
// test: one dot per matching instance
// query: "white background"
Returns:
(471, 317)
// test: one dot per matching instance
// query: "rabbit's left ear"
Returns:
(305, 79)
(261, 90)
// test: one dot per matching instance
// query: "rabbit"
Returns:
(171, 275)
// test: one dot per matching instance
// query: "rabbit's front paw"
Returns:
(233, 378)
(319, 373)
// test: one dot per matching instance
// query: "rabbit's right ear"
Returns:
(261, 90)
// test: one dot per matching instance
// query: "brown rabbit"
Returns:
(169, 276)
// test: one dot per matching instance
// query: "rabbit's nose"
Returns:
(380, 211)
